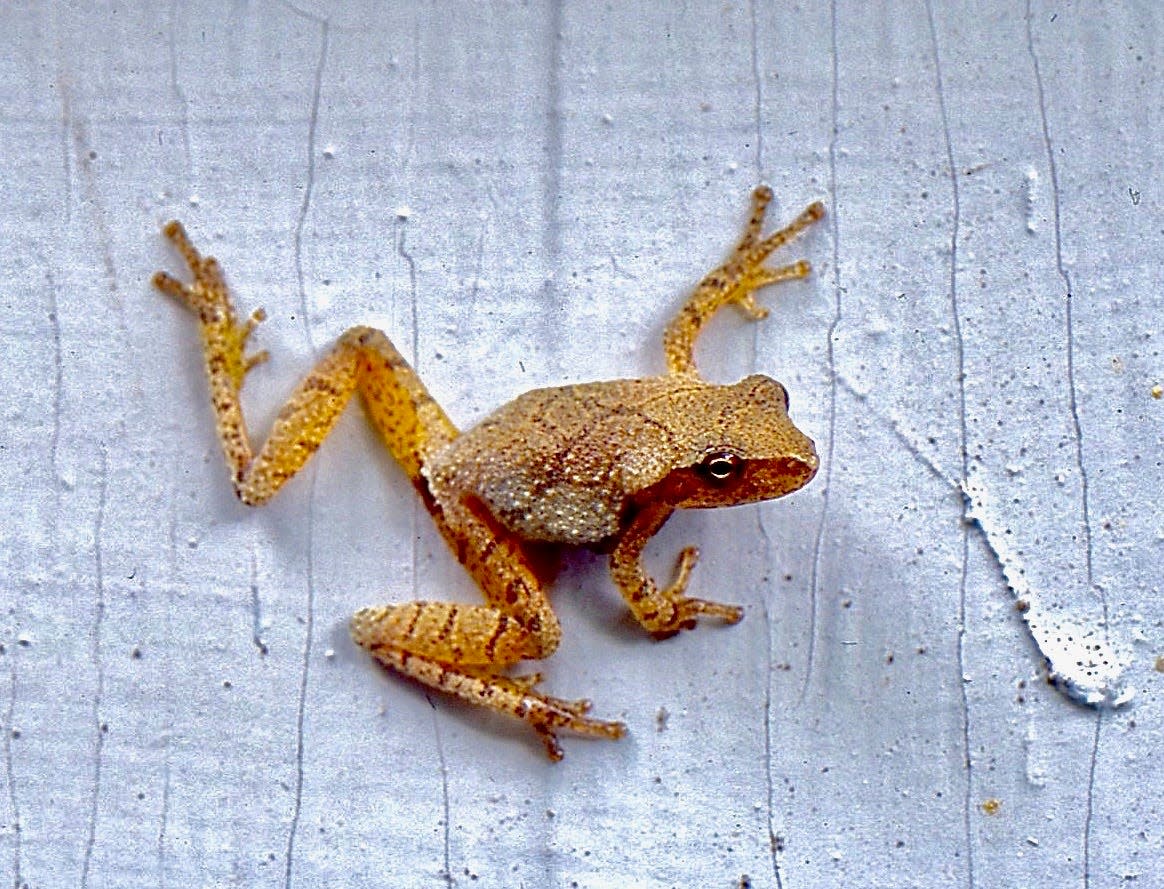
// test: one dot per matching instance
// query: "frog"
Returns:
(601, 465)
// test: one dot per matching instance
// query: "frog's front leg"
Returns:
(460, 649)
(662, 612)
(736, 281)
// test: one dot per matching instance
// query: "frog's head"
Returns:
(738, 446)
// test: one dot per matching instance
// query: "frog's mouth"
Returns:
(769, 479)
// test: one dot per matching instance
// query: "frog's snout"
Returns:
(812, 464)
(808, 461)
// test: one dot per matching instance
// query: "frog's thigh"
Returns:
(504, 571)
(410, 422)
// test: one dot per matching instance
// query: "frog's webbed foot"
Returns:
(460, 650)
(744, 271)
(685, 610)
(547, 715)
(737, 280)
(208, 297)
(665, 611)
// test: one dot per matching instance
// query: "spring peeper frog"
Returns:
(601, 464)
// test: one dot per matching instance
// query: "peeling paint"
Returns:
(1080, 660)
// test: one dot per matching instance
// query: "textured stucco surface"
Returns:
(520, 194)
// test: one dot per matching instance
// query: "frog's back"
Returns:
(558, 464)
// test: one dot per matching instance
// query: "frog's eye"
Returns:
(720, 467)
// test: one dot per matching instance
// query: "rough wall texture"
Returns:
(520, 195)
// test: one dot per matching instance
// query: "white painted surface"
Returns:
(521, 195)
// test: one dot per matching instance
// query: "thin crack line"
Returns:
(309, 187)
(58, 381)
(256, 606)
(478, 266)
(98, 666)
(413, 308)
(162, 843)
(10, 775)
(1089, 817)
(1073, 400)
(759, 102)
(414, 318)
(1077, 427)
(309, 622)
(301, 707)
(773, 842)
(834, 323)
(759, 162)
(963, 435)
(552, 181)
(410, 118)
(447, 873)
(179, 93)
(65, 89)
(164, 818)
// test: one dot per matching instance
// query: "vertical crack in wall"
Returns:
(552, 181)
(830, 351)
(309, 620)
(179, 93)
(446, 872)
(1061, 269)
(304, 676)
(257, 606)
(309, 185)
(765, 536)
(774, 842)
(161, 842)
(97, 657)
(10, 773)
(963, 435)
(758, 85)
(58, 382)
(1073, 401)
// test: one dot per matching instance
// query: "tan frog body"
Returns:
(600, 464)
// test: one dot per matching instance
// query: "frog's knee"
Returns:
(545, 633)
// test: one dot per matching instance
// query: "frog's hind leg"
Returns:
(410, 422)
(394, 635)
(459, 649)
(736, 281)
(462, 649)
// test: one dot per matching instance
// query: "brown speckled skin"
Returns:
(602, 464)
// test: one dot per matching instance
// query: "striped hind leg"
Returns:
(462, 649)
(458, 649)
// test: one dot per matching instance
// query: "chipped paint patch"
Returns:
(1080, 660)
